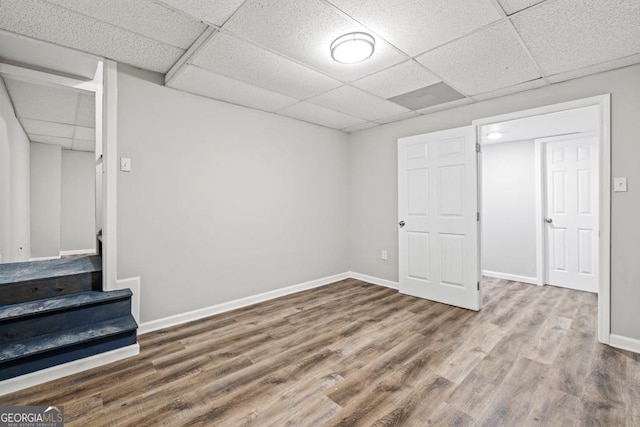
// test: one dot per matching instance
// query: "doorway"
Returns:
(417, 159)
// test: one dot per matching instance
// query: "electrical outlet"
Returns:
(384, 255)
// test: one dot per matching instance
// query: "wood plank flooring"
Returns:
(352, 354)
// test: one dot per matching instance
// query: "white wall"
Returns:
(77, 209)
(508, 209)
(223, 202)
(46, 161)
(373, 206)
(14, 184)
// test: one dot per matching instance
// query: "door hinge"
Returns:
(477, 147)
(478, 285)
(477, 216)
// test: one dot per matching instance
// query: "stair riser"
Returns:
(46, 323)
(53, 287)
(67, 354)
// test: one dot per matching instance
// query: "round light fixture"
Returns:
(494, 135)
(352, 48)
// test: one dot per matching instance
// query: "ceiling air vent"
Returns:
(427, 96)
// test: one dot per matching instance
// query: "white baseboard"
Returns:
(374, 280)
(132, 283)
(78, 252)
(624, 343)
(44, 258)
(513, 277)
(49, 374)
(190, 316)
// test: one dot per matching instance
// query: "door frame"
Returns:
(604, 213)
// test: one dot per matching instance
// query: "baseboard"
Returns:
(190, 316)
(374, 280)
(624, 343)
(44, 258)
(55, 372)
(132, 283)
(513, 277)
(78, 252)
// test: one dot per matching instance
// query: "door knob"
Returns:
(548, 220)
(401, 224)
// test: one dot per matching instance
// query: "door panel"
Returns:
(438, 202)
(571, 212)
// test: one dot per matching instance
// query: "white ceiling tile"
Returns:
(397, 118)
(533, 84)
(598, 68)
(54, 24)
(143, 17)
(446, 106)
(87, 134)
(40, 127)
(227, 55)
(367, 125)
(82, 145)
(416, 26)
(212, 11)
(54, 140)
(352, 101)
(202, 82)
(487, 60)
(86, 114)
(512, 6)
(397, 80)
(564, 35)
(320, 115)
(304, 30)
(49, 103)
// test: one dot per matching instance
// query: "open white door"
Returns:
(571, 164)
(437, 213)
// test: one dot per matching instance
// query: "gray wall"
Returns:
(77, 209)
(223, 202)
(46, 161)
(15, 242)
(508, 208)
(373, 173)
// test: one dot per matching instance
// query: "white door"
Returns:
(572, 212)
(437, 208)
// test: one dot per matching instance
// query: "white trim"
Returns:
(49, 374)
(132, 283)
(374, 280)
(604, 104)
(540, 209)
(29, 74)
(179, 319)
(110, 175)
(44, 258)
(512, 277)
(624, 343)
(180, 65)
(78, 252)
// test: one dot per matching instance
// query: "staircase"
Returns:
(53, 312)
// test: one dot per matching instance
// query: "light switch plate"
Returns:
(620, 184)
(125, 164)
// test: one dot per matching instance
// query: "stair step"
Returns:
(67, 338)
(18, 272)
(39, 307)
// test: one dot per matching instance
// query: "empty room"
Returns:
(319, 212)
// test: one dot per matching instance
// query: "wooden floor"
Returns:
(358, 354)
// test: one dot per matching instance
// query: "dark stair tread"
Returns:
(18, 272)
(69, 337)
(37, 307)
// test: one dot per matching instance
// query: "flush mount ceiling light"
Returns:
(494, 135)
(352, 48)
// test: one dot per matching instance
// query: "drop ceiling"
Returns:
(54, 114)
(273, 55)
